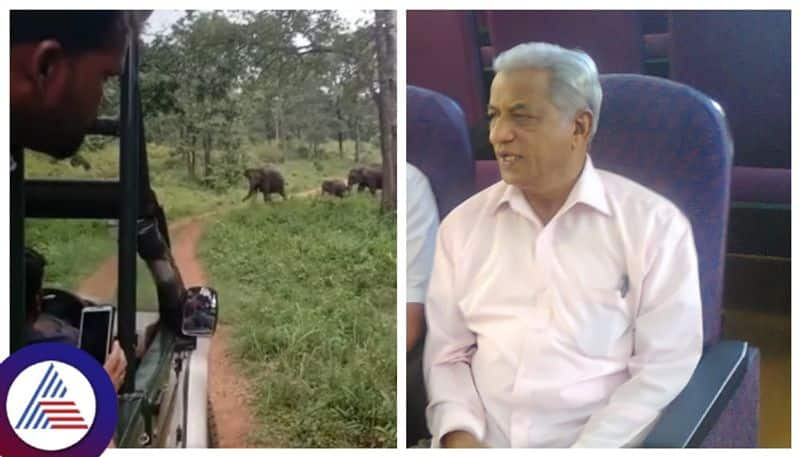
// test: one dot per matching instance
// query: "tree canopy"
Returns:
(217, 79)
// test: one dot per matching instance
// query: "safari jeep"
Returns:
(164, 399)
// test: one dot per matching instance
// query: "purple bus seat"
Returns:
(674, 140)
(486, 174)
(762, 185)
(760, 217)
(612, 38)
(656, 45)
(742, 60)
(443, 55)
(487, 56)
(481, 19)
(438, 144)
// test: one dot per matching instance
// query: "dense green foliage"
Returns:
(218, 81)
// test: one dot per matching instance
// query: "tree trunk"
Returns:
(277, 113)
(206, 156)
(277, 126)
(387, 107)
(193, 157)
(382, 125)
(358, 141)
(182, 142)
(340, 125)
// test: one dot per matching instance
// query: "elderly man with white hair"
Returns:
(564, 305)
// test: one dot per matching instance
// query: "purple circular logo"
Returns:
(56, 400)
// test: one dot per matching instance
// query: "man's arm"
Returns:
(422, 222)
(667, 346)
(415, 324)
(453, 402)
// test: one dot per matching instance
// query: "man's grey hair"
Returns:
(574, 82)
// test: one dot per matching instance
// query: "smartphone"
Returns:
(96, 330)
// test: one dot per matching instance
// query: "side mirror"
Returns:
(200, 312)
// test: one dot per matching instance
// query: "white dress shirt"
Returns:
(577, 333)
(422, 222)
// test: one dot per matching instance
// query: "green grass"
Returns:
(73, 249)
(308, 287)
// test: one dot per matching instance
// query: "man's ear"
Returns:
(583, 125)
(47, 65)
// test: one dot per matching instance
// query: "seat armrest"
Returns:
(689, 418)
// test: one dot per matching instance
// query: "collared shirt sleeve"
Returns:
(453, 402)
(668, 341)
(422, 222)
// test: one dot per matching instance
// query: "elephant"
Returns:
(365, 177)
(335, 187)
(267, 180)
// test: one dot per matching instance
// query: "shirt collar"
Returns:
(588, 189)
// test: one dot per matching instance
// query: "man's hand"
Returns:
(461, 439)
(415, 324)
(116, 365)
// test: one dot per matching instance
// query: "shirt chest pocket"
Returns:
(602, 324)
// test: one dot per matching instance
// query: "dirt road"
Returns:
(228, 389)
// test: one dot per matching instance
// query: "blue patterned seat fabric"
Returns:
(438, 144)
(674, 140)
